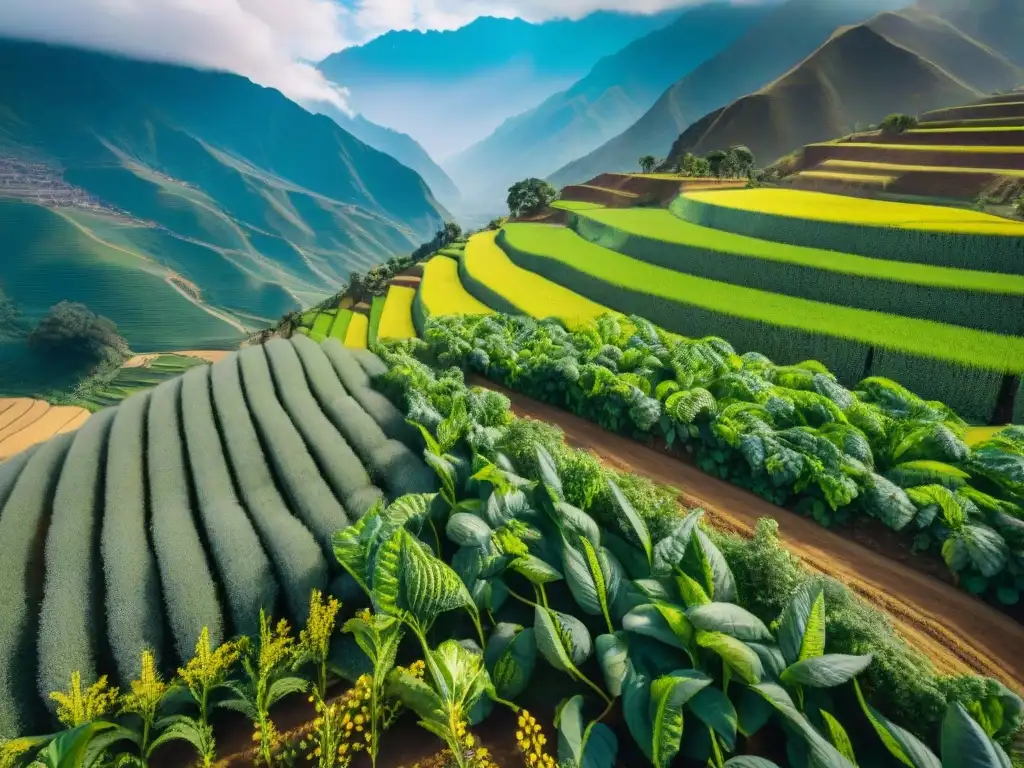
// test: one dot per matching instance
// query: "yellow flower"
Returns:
(76, 706)
(315, 639)
(147, 691)
(276, 644)
(209, 667)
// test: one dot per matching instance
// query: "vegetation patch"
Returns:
(396, 319)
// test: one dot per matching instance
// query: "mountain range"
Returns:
(185, 205)
(909, 61)
(766, 51)
(606, 101)
(449, 89)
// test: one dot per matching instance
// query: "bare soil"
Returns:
(950, 138)
(960, 634)
(816, 154)
(50, 421)
(586, 193)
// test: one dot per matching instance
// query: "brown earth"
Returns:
(961, 635)
(25, 422)
(587, 193)
(815, 154)
(1008, 137)
(546, 216)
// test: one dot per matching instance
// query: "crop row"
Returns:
(195, 504)
(396, 319)
(982, 300)
(442, 293)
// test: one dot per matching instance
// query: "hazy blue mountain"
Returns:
(765, 52)
(404, 148)
(203, 204)
(450, 89)
(610, 98)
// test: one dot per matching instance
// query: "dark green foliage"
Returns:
(23, 523)
(896, 124)
(71, 330)
(242, 565)
(391, 464)
(297, 557)
(72, 600)
(338, 463)
(190, 597)
(357, 384)
(529, 196)
(309, 495)
(134, 607)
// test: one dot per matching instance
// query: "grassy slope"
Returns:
(918, 337)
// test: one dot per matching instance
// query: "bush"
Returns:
(190, 596)
(897, 123)
(309, 495)
(1018, 206)
(21, 521)
(296, 554)
(72, 331)
(391, 464)
(529, 196)
(134, 618)
(72, 599)
(338, 463)
(242, 565)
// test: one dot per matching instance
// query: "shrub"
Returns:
(309, 495)
(21, 521)
(529, 196)
(68, 618)
(134, 618)
(242, 565)
(190, 597)
(897, 123)
(1018, 206)
(337, 461)
(357, 383)
(391, 464)
(295, 552)
(71, 330)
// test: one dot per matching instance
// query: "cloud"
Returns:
(268, 41)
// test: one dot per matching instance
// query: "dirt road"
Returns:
(957, 632)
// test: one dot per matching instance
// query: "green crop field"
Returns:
(341, 322)
(376, 309)
(233, 528)
(493, 278)
(865, 178)
(573, 205)
(782, 327)
(129, 381)
(323, 323)
(396, 319)
(983, 300)
(903, 168)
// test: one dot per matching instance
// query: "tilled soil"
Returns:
(960, 634)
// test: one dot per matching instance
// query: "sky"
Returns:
(272, 42)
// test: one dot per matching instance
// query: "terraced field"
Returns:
(396, 319)
(282, 446)
(24, 422)
(442, 293)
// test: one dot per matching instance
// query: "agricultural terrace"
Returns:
(280, 473)
(24, 422)
(442, 293)
(396, 319)
(376, 310)
(357, 333)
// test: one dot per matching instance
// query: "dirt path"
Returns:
(957, 632)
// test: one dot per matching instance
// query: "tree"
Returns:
(897, 123)
(73, 332)
(694, 167)
(742, 159)
(10, 317)
(449, 234)
(647, 163)
(716, 160)
(529, 196)
(1018, 206)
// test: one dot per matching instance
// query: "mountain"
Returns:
(404, 148)
(910, 61)
(185, 205)
(610, 98)
(783, 38)
(450, 89)
(996, 23)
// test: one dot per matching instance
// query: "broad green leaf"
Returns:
(453, 426)
(428, 439)
(657, 589)
(670, 551)
(821, 752)
(813, 642)
(588, 746)
(902, 745)
(468, 530)
(749, 761)
(417, 695)
(668, 695)
(613, 656)
(562, 640)
(430, 586)
(976, 546)
(771, 658)
(378, 637)
(351, 544)
(387, 584)
(584, 577)
(752, 710)
(636, 708)
(795, 618)
(574, 522)
(72, 747)
(464, 677)
(446, 473)
(706, 564)
(742, 659)
(535, 570)
(633, 560)
(716, 711)
(549, 474)
(692, 592)
(510, 657)
(965, 743)
(730, 619)
(838, 736)
(826, 671)
(636, 523)
(663, 622)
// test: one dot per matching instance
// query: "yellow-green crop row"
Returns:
(358, 330)
(864, 178)
(322, 324)
(340, 328)
(969, 129)
(783, 327)
(396, 320)
(575, 205)
(901, 168)
(491, 275)
(441, 293)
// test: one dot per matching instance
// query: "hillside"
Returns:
(907, 62)
(997, 23)
(765, 52)
(416, 81)
(186, 210)
(610, 98)
(404, 148)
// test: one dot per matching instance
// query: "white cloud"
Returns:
(268, 41)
